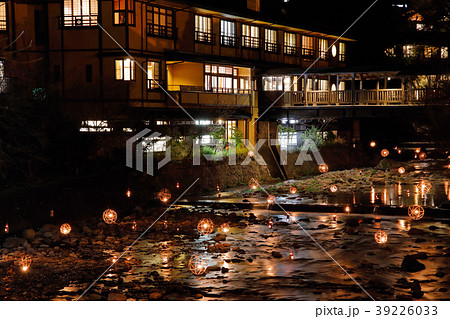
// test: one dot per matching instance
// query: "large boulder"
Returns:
(410, 264)
(29, 234)
(387, 163)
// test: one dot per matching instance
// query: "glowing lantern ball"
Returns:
(128, 193)
(164, 195)
(416, 212)
(381, 237)
(225, 227)
(384, 152)
(292, 190)
(424, 186)
(250, 154)
(270, 199)
(205, 226)
(373, 144)
(25, 263)
(323, 168)
(347, 209)
(109, 216)
(65, 229)
(253, 183)
(198, 264)
(422, 156)
(401, 170)
(333, 188)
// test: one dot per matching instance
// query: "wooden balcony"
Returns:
(199, 98)
(356, 97)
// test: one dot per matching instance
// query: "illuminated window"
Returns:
(250, 36)
(152, 75)
(290, 44)
(390, 52)
(271, 41)
(323, 49)
(408, 51)
(342, 52)
(203, 29)
(154, 144)
(124, 70)
(80, 13)
(287, 139)
(430, 52)
(2, 16)
(273, 83)
(2, 70)
(444, 53)
(95, 126)
(220, 79)
(160, 22)
(308, 51)
(124, 12)
(228, 33)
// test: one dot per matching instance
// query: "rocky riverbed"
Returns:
(250, 262)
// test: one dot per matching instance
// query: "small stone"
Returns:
(29, 234)
(224, 270)
(155, 295)
(276, 254)
(116, 297)
(220, 237)
(198, 296)
(410, 264)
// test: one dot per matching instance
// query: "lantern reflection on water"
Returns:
(65, 229)
(134, 225)
(164, 195)
(270, 223)
(291, 255)
(109, 216)
(292, 190)
(334, 218)
(323, 168)
(198, 264)
(270, 199)
(401, 170)
(225, 227)
(25, 262)
(422, 156)
(381, 237)
(253, 183)
(205, 226)
(6, 228)
(424, 186)
(416, 212)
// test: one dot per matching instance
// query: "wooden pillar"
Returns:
(305, 89)
(353, 88)
(378, 90)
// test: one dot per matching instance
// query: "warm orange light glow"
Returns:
(164, 195)
(416, 212)
(128, 193)
(347, 209)
(198, 264)
(178, 185)
(109, 216)
(250, 154)
(323, 168)
(225, 227)
(401, 170)
(422, 156)
(165, 257)
(292, 190)
(384, 152)
(270, 223)
(291, 255)
(205, 226)
(253, 183)
(424, 186)
(333, 188)
(270, 199)
(25, 262)
(417, 150)
(381, 237)
(334, 218)
(52, 213)
(373, 144)
(65, 229)
(134, 225)
(6, 228)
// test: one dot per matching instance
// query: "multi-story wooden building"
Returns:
(121, 64)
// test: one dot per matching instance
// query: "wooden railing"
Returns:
(357, 97)
(202, 98)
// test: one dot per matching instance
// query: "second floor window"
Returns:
(290, 44)
(80, 13)
(343, 53)
(250, 36)
(203, 29)
(2, 16)
(308, 48)
(152, 75)
(124, 70)
(228, 33)
(409, 51)
(124, 12)
(323, 49)
(270, 40)
(160, 22)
